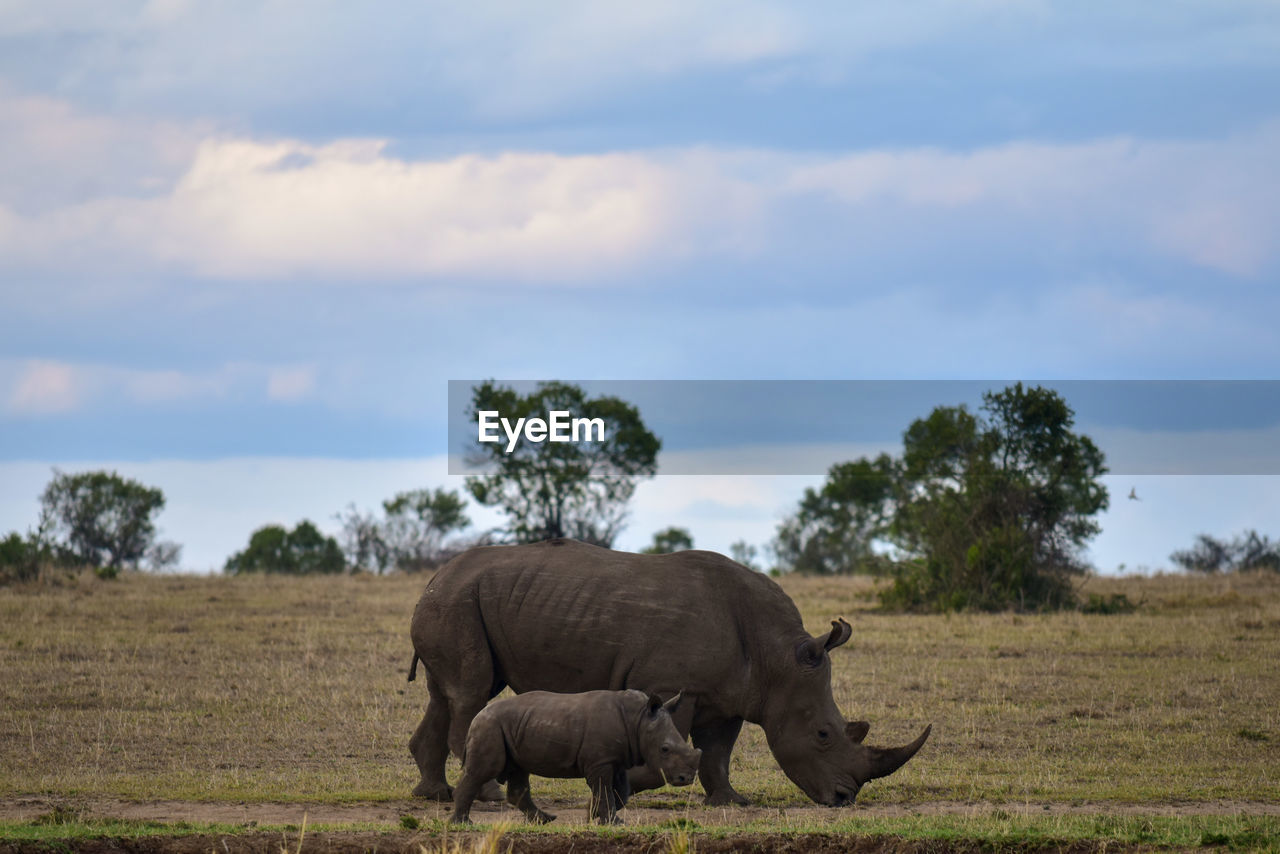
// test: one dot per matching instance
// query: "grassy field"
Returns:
(218, 691)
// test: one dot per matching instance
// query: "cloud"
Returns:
(496, 60)
(277, 209)
(48, 387)
(44, 388)
(348, 210)
(55, 155)
(289, 384)
(1213, 203)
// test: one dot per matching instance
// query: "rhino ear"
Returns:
(674, 703)
(809, 653)
(856, 730)
(840, 634)
(655, 704)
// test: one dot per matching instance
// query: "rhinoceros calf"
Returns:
(597, 735)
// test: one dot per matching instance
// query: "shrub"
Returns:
(302, 551)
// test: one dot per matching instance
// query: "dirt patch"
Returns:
(577, 843)
(642, 811)
(701, 821)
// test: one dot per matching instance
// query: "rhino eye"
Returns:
(823, 734)
(666, 749)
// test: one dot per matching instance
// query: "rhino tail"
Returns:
(413, 666)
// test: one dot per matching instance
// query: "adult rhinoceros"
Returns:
(565, 616)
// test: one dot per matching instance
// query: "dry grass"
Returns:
(294, 689)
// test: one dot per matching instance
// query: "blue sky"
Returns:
(244, 246)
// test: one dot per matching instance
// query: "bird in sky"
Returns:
(1133, 494)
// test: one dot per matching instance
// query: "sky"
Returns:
(244, 246)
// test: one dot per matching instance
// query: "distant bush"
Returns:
(669, 540)
(23, 558)
(17, 563)
(417, 532)
(1116, 603)
(302, 551)
(1247, 551)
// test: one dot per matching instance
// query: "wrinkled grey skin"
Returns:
(567, 617)
(597, 735)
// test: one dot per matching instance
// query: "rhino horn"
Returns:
(883, 761)
(840, 633)
(856, 730)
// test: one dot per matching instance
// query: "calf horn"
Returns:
(883, 761)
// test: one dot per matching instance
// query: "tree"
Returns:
(104, 520)
(164, 555)
(302, 551)
(995, 511)
(986, 512)
(417, 524)
(563, 489)
(669, 540)
(362, 541)
(744, 553)
(1247, 551)
(835, 526)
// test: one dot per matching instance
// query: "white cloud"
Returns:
(1214, 203)
(54, 155)
(48, 387)
(348, 210)
(291, 383)
(248, 208)
(42, 388)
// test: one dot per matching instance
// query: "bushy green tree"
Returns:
(669, 540)
(833, 530)
(563, 489)
(995, 510)
(302, 551)
(985, 511)
(102, 519)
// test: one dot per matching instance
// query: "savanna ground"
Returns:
(272, 714)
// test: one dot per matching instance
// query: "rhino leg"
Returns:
(461, 715)
(716, 741)
(486, 754)
(430, 748)
(604, 800)
(621, 787)
(518, 796)
(643, 777)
